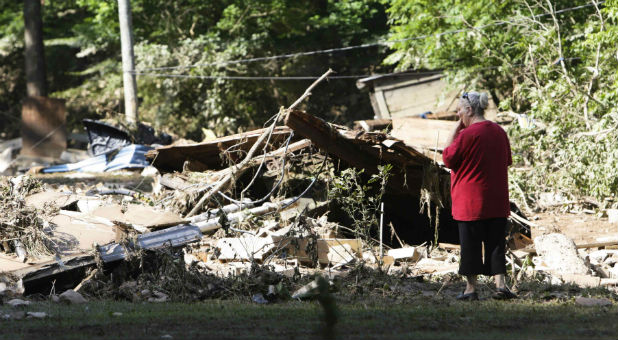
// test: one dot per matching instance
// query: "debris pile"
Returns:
(257, 214)
(22, 228)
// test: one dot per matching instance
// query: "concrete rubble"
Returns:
(559, 253)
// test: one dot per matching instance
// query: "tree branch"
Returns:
(238, 169)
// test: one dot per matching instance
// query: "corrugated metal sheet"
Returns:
(132, 156)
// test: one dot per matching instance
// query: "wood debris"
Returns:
(227, 206)
(207, 155)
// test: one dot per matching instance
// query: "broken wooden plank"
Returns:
(172, 157)
(304, 249)
(327, 138)
(449, 246)
(596, 244)
(443, 115)
(53, 267)
(408, 253)
(43, 127)
(373, 124)
(59, 274)
(519, 241)
(255, 161)
(360, 153)
(532, 251)
(423, 133)
(245, 248)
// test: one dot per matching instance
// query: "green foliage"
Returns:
(513, 49)
(361, 201)
(254, 29)
(84, 61)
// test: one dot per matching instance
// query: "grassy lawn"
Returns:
(423, 318)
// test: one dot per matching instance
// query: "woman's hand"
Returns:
(460, 126)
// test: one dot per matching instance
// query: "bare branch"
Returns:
(238, 169)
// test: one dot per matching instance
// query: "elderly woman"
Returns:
(478, 155)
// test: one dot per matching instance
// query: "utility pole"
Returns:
(128, 62)
(34, 53)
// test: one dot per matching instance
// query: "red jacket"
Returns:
(478, 158)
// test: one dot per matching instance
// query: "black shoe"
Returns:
(504, 294)
(468, 297)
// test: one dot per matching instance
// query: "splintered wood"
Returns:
(325, 251)
(364, 150)
(206, 155)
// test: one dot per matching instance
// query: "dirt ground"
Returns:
(581, 227)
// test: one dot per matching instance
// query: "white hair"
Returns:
(476, 101)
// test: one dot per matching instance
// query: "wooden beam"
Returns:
(384, 112)
(172, 157)
(361, 153)
(579, 246)
(596, 244)
(373, 124)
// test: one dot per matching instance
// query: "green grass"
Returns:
(422, 318)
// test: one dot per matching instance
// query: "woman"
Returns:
(478, 155)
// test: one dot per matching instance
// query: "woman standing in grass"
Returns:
(478, 155)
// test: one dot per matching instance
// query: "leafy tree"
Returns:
(83, 56)
(556, 67)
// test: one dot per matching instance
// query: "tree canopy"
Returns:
(83, 48)
(552, 62)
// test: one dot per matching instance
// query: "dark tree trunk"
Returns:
(34, 54)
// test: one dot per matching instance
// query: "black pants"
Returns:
(473, 236)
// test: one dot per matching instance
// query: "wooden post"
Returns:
(128, 63)
(34, 53)
(381, 231)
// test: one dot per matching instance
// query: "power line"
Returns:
(422, 73)
(349, 48)
(275, 57)
(189, 76)
(171, 75)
